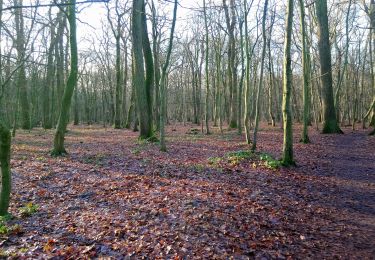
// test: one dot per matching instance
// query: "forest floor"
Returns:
(117, 197)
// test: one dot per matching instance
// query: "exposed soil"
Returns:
(117, 197)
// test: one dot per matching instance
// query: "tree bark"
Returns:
(287, 158)
(163, 105)
(260, 84)
(330, 124)
(59, 148)
(6, 178)
(306, 75)
(207, 107)
(141, 90)
(21, 80)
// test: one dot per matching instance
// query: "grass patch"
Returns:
(234, 158)
(5, 229)
(198, 167)
(215, 161)
(269, 161)
(29, 209)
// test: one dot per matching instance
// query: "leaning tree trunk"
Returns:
(287, 158)
(330, 124)
(6, 178)
(59, 148)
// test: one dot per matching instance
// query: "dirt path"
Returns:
(114, 196)
(347, 162)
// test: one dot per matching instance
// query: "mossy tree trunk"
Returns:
(51, 71)
(142, 91)
(156, 38)
(287, 158)
(230, 19)
(330, 124)
(6, 178)
(59, 148)
(21, 79)
(149, 65)
(58, 91)
(306, 75)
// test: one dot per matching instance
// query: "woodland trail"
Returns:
(348, 163)
(117, 197)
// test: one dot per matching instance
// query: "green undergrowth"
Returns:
(269, 161)
(235, 158)
(29, 209)
(151, 139)
(6, 229)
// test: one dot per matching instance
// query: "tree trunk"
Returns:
(141, 89)
(21, 80)
(48, 84)
(163, 82)
(149, 64)
(155, 47)
(330, 124)
(232, 75)
(6, 178)
(306, 76)
(207, 107)
(260, 85)
(247, 79)
(59, 148)
(118, 105)
(287, 158)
